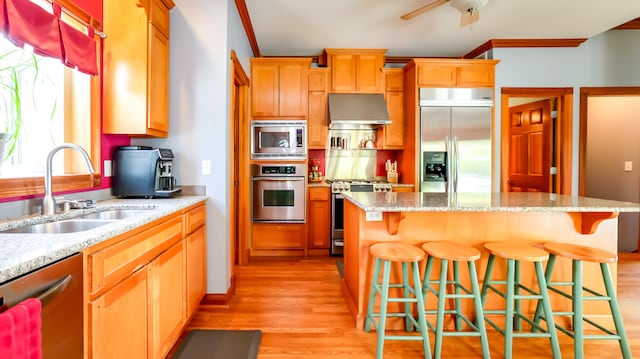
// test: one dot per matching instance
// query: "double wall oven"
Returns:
(338, 189)
(278, 192)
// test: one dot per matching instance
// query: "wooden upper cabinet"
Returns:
(356, 70)
(318, 123)
(136, 68)
(279, 87)
(455, 73)
(393, 135)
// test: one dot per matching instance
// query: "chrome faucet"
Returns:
(48, 202)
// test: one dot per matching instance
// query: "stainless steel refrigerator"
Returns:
(455, 139)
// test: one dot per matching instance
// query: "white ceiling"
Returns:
(304, 28)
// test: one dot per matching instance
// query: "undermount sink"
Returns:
(114, 214)
(65, 226)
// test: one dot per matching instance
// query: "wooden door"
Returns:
(343, 73)
(530, 147)
(158, 118)
(369, 78)
(319, 218)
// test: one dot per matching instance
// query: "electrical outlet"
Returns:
(107, 172)
(206, 167)
(373, 216)
(628, 166)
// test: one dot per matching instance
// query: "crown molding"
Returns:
(495, 43)
(248, 27)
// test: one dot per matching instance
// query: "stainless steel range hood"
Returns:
(354, 110)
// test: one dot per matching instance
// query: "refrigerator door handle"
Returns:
(449, 152)
(457, 163)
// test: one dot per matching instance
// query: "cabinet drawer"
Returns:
(275, 236)
(319, 194)
(110, 265)
(195, 218)
(160, 16)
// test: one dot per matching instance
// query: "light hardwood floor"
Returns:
(299, 308)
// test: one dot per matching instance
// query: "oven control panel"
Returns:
(345, 187)
(278, 170)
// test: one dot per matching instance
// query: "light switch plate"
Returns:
(373, 216)
(206, 167)
(628, 166)
(107, 168)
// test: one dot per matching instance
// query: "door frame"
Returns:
(563, 137)
(585, 93)
(239, 124)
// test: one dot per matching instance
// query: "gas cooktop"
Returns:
(358, 185)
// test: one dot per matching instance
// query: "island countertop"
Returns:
(484, 202)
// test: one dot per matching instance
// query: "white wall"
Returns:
(202, 36)
(609, 59)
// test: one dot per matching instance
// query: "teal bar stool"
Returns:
(515, 292)
(388, 253)
(578, 255)
(456, 253)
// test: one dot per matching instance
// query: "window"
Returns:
(44, 104)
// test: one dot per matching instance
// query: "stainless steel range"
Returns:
(338, 189)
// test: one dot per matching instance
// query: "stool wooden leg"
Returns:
(487, 278)
(509, 306)
(372, 296)
(422, 321)
(548, 272)
(578, 312)
(548, 314)
(383, 309)
(479, 311)
(408, 325)
(456, 279)
(444, 264)
(517, 321)
(615, 311)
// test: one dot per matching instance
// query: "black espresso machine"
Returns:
(143, 171)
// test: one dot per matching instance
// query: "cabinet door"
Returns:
(318, 79)
(319, 224)
(124, 85)
(264, 89)
(196, 268)
(293, 88)
(117, 320)
(369, 76)
(394, 133)
(475, 75)
(343, 72)
(318, 123)
(167, 306)
(158, 117)
(436, 75)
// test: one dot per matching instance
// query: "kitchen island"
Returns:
(474, 219)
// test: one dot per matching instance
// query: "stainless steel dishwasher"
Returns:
(59, 288)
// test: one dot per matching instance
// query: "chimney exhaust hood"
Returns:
(355, 110)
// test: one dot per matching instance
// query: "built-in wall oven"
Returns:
(278, 192)
(338, 189)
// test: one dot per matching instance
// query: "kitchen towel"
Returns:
(20, 335)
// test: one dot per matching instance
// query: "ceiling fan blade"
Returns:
(422, 9)
(469, 17)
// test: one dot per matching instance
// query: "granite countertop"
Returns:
(484, 202)
(24, 252)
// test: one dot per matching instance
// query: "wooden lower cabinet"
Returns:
(143, 286)
(319, 218)
(167, 309)
(196, 269)
(118, 320)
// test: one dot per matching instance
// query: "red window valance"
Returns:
(24, 22)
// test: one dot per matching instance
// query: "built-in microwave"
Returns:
(278, 140)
